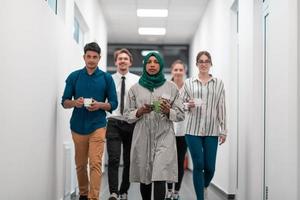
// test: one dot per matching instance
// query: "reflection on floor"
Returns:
(186, 192)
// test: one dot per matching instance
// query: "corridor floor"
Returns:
(186, 192)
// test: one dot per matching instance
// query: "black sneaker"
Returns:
(83, 197)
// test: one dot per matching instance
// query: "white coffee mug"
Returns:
(198, 102)
(186, 106)
(87, 102)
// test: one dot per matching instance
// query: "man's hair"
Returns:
(93, 46)
(118, 52)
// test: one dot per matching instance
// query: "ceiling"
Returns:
(123, 23)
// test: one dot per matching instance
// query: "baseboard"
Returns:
(221, 192)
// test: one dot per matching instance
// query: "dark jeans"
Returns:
(181, 151)
(159, 190)
(203, 151)
(118, 132)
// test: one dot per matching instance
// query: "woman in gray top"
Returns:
(154, 104)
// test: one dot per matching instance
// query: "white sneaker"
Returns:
(123, 196)
(113, 196)
(175, 196)
(168, 195)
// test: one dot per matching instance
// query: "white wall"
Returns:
(217, 34)
(38, 52)
(92, 13)
(282, 89)
(251, 140)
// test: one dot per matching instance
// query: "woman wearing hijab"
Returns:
(154, 104)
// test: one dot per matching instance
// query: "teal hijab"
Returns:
(152, 81)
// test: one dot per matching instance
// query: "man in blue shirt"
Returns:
(91, 92)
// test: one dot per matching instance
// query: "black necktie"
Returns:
(122, 94)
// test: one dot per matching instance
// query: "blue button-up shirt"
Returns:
(99, 86)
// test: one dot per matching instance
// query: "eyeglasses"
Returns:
(204, 62)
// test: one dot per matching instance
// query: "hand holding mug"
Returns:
(146, 108)
(165, 106)
(79, 102)
(191, 104)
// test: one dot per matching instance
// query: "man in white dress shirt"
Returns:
(118, 130)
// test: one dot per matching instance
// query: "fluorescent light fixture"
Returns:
(152, 12)
(152, 31)
(145, 52)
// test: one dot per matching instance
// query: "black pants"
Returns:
(118, 132)
(181, 151)
(159, 190)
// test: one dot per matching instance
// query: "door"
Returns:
(266, 99)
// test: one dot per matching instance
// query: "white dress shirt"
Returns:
(130, 80)
(179, 127)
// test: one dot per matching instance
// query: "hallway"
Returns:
(255, 48)
(187, 190)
